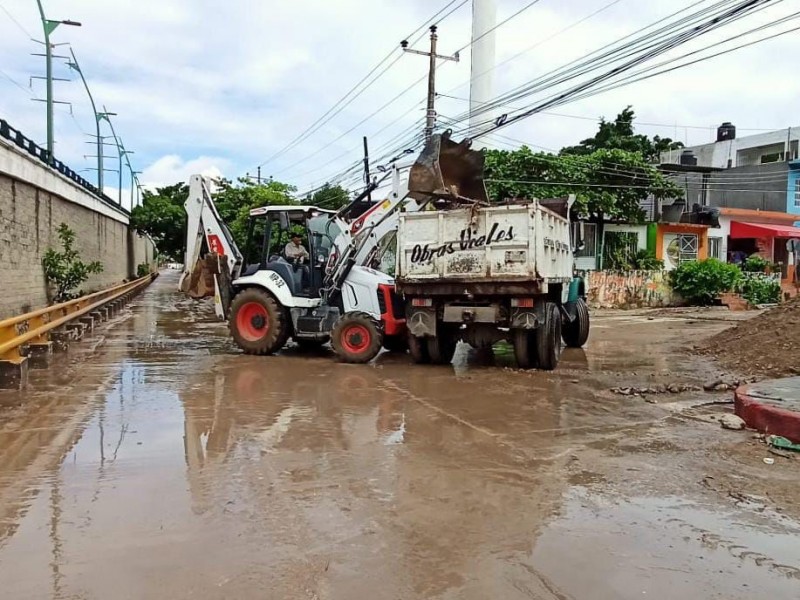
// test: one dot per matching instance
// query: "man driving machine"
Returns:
(295, 253)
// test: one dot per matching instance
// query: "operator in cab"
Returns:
(295, 253)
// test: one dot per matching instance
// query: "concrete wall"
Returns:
(761, 187)
(34, 201)
(634, 289)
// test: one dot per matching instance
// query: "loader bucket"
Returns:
(448, 169)
(199, 282)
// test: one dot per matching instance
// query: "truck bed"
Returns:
(509, 249)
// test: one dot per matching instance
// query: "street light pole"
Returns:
(76, 67)
(105, 115)
(49, 26)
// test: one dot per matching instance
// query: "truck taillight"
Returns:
(422, 302)
(522, 302)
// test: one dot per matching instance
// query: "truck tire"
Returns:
(418, 349)
(356, 338)
(396, 343)
(548, 338)
(258, 324)
(577, 332)
(524, 341)
(442, 346)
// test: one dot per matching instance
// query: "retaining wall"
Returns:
(34, 201)
(632, 289)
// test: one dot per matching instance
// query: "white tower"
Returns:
(484, 15)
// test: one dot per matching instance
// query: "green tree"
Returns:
(65, 270)
(608, 182)
(235, 200)
(619, 134)
(329, 196)
(161, 215)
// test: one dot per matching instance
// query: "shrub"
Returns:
(142, 269)
(758, 289)
(702, 282)
(65, 270)
(647, 261)
(755, 264)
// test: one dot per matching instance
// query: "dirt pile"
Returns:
(767, 345)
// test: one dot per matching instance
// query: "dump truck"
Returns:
(481, 273)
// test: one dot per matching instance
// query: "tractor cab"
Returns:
(296, 242)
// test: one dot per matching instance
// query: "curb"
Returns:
(765, 417)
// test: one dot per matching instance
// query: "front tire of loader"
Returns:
(577, 332)
(548, 338)
(258, 324)
(356, 338)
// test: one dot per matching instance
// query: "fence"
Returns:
(26, 144)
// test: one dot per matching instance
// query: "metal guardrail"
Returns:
(35, 327)
(19, 139)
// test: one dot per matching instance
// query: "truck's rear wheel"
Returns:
(258, 324)
(577, 332)
(418, 349)
(396, 343)
(525, 348)
(442, 347)
(548, 338)
(356, 338)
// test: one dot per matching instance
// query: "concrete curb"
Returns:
(759, 405)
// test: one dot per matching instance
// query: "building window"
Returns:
(715, 247)
(681, 248)
(589, 249)
(619, 249)
(797, 193)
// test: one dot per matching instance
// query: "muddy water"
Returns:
(154, 461)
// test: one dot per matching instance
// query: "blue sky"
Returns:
(218, 86)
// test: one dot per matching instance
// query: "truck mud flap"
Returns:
(421, 322)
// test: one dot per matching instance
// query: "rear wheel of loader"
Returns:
(418, 349)
(548, 338)
(525, 348)
(442, 347)
(577, 332)
(356, 338)
(258, 324)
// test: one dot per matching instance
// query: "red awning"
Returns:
(763, 230)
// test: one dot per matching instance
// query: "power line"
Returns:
(17, 23)
(18, 84)
(351, 95)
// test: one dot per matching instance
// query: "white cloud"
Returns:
(172, 169)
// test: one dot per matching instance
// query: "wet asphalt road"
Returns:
(154, 461)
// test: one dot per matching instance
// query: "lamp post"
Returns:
(105, 115)
(76, 67)
(49, 26)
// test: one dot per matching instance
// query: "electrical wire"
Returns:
(16, 22)
(352, 94)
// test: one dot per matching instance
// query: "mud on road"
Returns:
(155, 461)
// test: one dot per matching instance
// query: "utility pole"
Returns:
(49, 26)
(430, 117)
(258, 177)
(366, 168)
(76, 67)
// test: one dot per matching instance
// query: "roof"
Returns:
(762, 230)
(758, 216)
(287, 208)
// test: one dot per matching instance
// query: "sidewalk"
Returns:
(771, 406)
